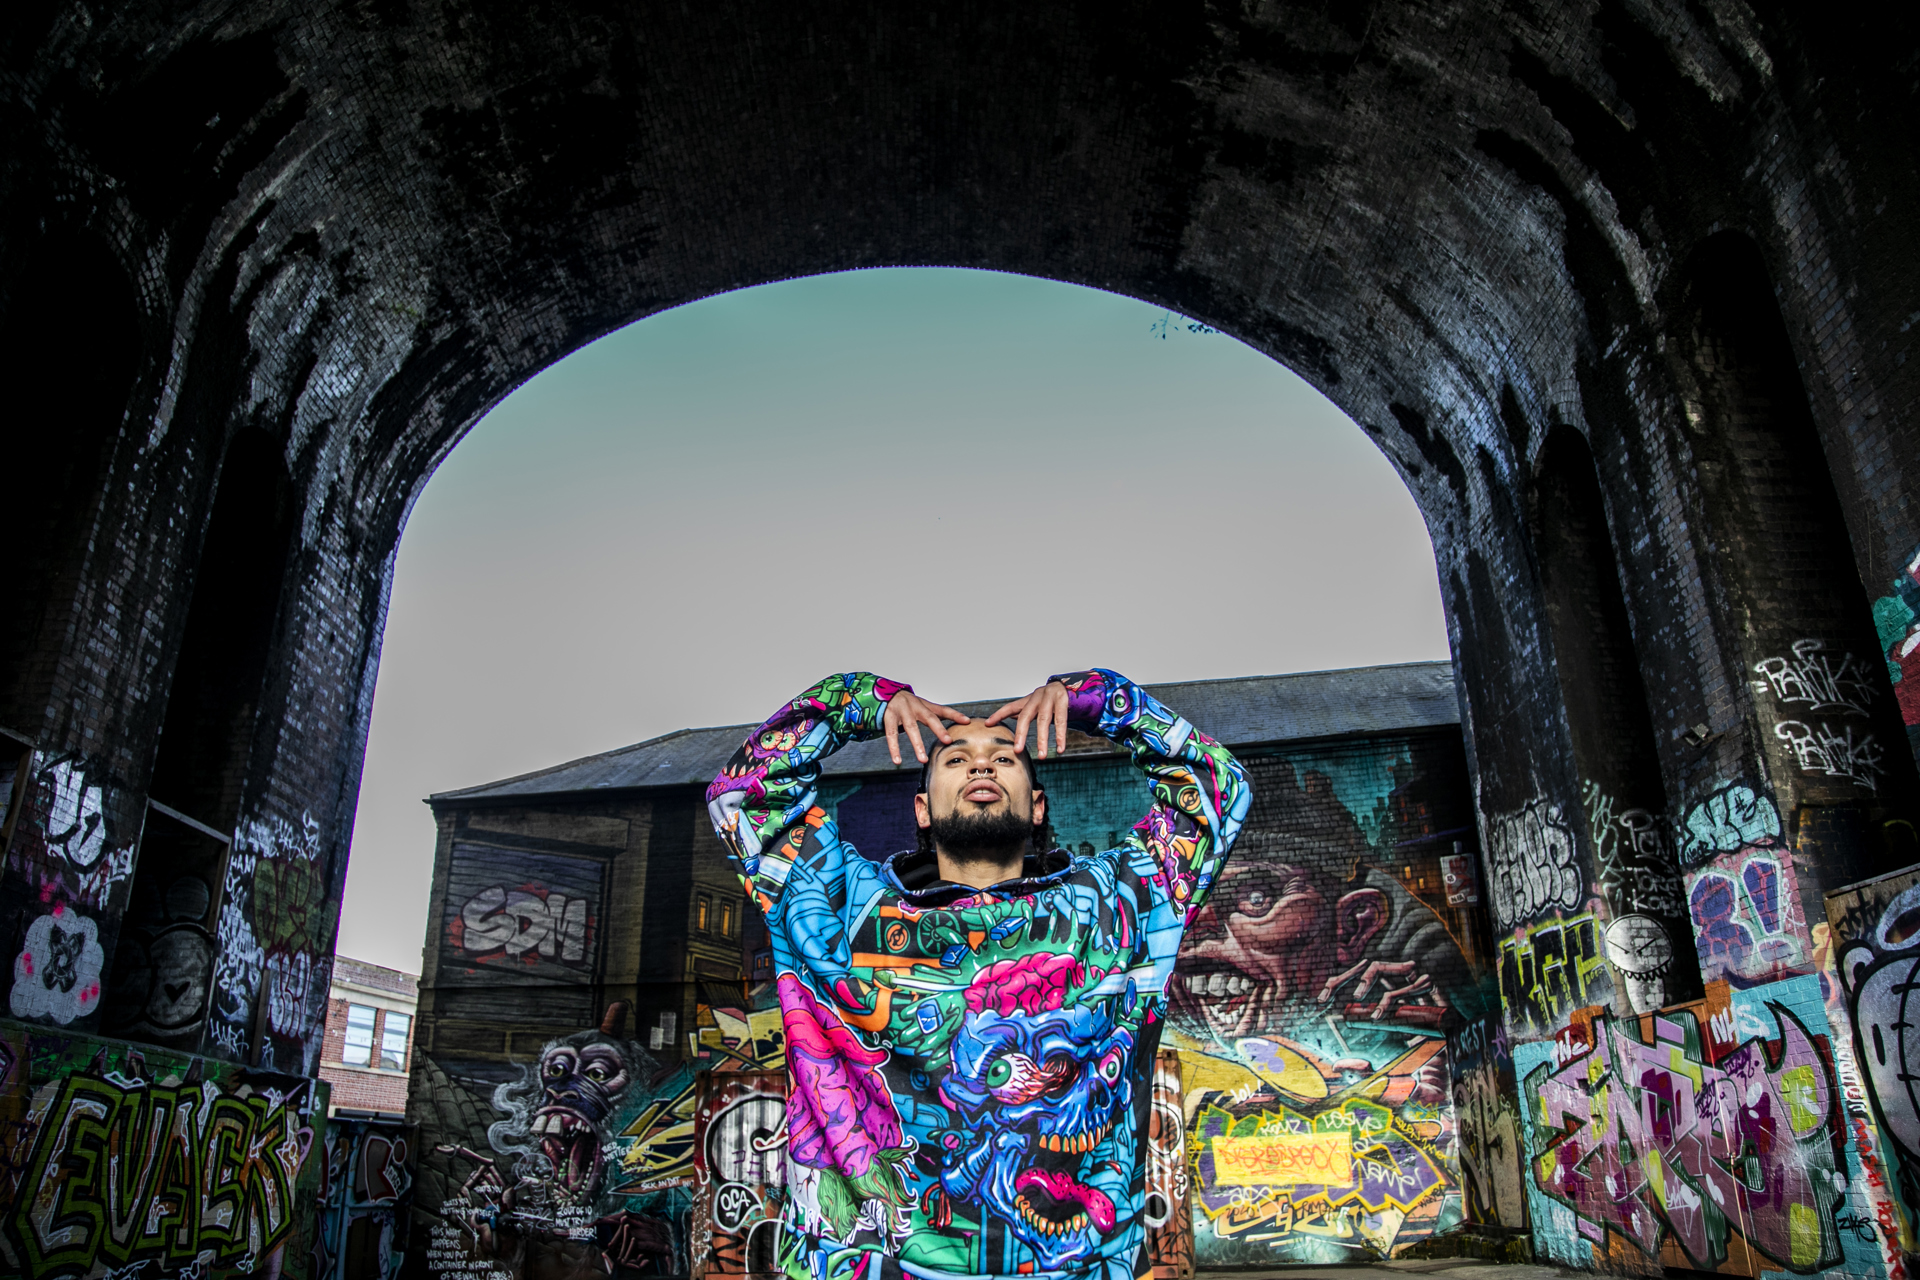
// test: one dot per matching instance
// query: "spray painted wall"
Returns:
(113, 1157)
(1314, 994)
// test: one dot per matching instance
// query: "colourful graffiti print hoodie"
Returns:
(970, 1067)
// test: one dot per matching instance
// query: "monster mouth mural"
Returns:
(1057, 1203)
(1075, 1143)
(571, 1145)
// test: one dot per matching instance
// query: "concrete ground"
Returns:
(1447, 1268)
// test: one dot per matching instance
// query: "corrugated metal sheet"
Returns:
(1243, 711)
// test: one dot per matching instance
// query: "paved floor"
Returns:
(1449, 1268)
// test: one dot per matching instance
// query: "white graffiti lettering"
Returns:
(1821, 749)
(518, 921)
(1818, 679)
(76, 816)
(1532, 864)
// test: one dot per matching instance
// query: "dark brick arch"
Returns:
(356, 226)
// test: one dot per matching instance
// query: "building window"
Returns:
(358, 1051)
(702, 913)
(762, 965)
(726, 919)
(393, 1041)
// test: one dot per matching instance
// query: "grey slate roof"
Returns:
(1240, 711)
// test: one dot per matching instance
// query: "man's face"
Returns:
(977, 775)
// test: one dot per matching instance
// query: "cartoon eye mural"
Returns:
(1112, 1065)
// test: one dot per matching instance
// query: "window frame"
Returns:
(386, 1042)
(348, 1046)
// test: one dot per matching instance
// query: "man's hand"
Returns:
(907, 711)
(1045, 708)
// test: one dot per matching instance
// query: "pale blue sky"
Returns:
(694, 518)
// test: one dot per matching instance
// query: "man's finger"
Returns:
(919, 747)
(1020, 728)
(1060, 719)
(890, 729)
(1009, 709)
(948, 713)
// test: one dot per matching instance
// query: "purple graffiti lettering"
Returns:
(1721, 939)
(1762, 879)
(1650, 1142)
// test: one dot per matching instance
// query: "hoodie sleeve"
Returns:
(762, 804)
(1200, 792)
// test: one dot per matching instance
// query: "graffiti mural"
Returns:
(1311, 1007)
(1168, 1208)
(585, 1151)
(532, 914)
(1532, 864)
(1662, 1142)
(1875, 939)
(57, 973)
(68, 868)
(117, 1159)
(1550, 968)
(366, 1182)
(1488, 1121)
(742, 1176)
(1710, 1136)
(1749, 926)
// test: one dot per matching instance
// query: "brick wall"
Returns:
(389, 993)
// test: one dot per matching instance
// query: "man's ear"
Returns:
(1357, 917)
(1039, 807)
(922, 815)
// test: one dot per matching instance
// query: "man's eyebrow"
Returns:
(1005, 740)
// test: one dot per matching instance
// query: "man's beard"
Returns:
(995, 836)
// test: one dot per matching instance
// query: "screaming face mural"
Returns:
(559, 1111)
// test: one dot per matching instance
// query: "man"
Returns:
(971, 1026)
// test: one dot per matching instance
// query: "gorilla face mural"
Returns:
(558, 1112)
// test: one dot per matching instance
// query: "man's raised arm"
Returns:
(1200, 792)
(762, 803)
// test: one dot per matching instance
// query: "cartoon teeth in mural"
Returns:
(1258, 958)
(558, 1112)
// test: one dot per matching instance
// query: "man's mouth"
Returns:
(570, 1144)
(982, 792)
(1053, 1203)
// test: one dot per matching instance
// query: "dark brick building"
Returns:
(1623, 291)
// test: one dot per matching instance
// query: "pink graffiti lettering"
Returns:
(1653, 1141)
